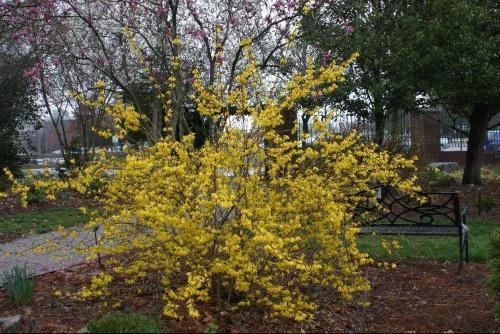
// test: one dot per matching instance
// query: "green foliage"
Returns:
(486, 204)
(456, 44)
(211, 329)
(94, 187)
(18, 286)
(35, 194)
(433, 176)
(42, 221)
(376, 86)
(74, 153)
(124, 323)
(455, 64)
(494, 281)
(17, 103)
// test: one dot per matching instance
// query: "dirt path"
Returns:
(46, 252)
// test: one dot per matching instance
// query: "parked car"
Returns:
(493, 140)
(444, 143)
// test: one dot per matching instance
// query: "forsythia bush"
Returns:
(252, 217)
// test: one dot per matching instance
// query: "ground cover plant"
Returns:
(124, 323)
(18, 285)
(435, 176)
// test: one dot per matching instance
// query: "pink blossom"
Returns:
(17, 35)
(161, 11)
(325, 57)
(349, 29)
(219, 59)
(32, 73)
(234, 21)
(278, 5)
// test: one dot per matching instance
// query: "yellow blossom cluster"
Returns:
(51, 187)
(252, 218)
(126, 119)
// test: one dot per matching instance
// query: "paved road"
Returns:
(45, 253)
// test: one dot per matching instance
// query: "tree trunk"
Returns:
(305, 127)
(156, 121)
(475, 145)
(379, 125)
(378, 106)
(289, 123)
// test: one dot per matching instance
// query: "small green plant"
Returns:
(92, 188)
(428, 175)
(211, 329)
(494, 280)
(18, 286)
(124, 323)
(36, 195)
(439, 178)
(486, 204)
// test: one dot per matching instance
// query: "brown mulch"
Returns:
(11, 205)
(414, 297)
(431, 297)
(8, 238)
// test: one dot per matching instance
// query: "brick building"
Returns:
(426, 141)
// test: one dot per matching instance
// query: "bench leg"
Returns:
(461, 248)
(467, 247)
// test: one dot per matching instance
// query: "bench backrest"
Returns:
(401, 209)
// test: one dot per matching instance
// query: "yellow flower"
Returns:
(246, 42)
(252, 213)
(100, 84)
(176, 41)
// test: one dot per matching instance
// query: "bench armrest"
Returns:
(463, 215)
(464, 211)
(463, 220)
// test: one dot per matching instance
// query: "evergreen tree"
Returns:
(17, 103)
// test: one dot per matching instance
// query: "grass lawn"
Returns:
(412, 247)
(40, 221)
(434, 248)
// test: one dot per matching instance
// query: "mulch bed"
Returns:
(8, 238)
(414, 297)
(11, 205)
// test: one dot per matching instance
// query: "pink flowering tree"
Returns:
(141, 48)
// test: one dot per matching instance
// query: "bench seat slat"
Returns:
(411, 230)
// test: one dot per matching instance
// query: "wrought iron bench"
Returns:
(438, 214)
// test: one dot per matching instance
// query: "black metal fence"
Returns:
(454, 133)
(397, 130)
